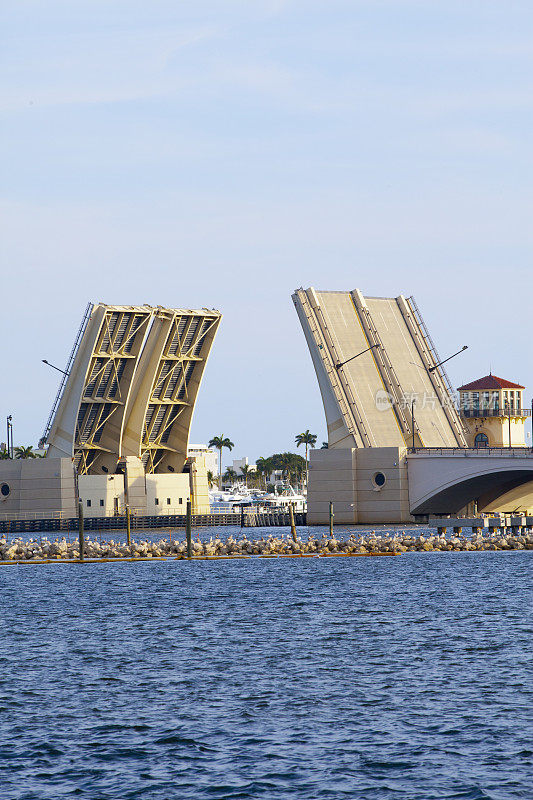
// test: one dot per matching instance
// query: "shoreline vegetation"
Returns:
(18, 550)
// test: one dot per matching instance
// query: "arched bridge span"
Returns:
(445, 481)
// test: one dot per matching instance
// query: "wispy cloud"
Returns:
(96, 68)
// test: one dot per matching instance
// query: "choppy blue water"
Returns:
(401, 677)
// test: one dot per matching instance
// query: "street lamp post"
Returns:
(508, 407)
(435, 366)
(54, 367)
(342, 363)
(10, 448)
(413, 423)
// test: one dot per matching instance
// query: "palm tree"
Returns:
(325, 446)
(299, 466)
(309, 439)
(264, 467)
(219, 442)
(247, 472)
(4, 454)
(230, 475)
(210, 478)
(285, 462)
(25, 452)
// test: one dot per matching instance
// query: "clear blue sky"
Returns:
(224, 153)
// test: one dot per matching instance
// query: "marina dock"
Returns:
(248, 519)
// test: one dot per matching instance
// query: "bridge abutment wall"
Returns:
(366, 486)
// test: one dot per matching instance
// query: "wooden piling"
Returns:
(128, 526)
(189, 530)
(81, 532)
(293, 523)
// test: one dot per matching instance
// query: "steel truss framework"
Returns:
(106, 389)
(132, 387)
(170, 397)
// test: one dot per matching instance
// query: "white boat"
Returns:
(283, 496)
(227, 499)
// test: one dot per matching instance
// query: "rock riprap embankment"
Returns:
(43, 549)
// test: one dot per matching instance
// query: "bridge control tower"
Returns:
(494, 412)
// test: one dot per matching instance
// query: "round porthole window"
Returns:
(379, 480)
(5, 490)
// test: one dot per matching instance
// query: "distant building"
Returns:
(239, 463)
(211, 456)
(493, 410)
(275, 475)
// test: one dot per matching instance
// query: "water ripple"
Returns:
(389, 679)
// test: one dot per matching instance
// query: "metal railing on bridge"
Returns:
(468, 451)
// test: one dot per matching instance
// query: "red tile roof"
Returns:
(489, 382)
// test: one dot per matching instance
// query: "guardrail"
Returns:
(275, 518)
(468, 451)
(29, 516)
(136, 513)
